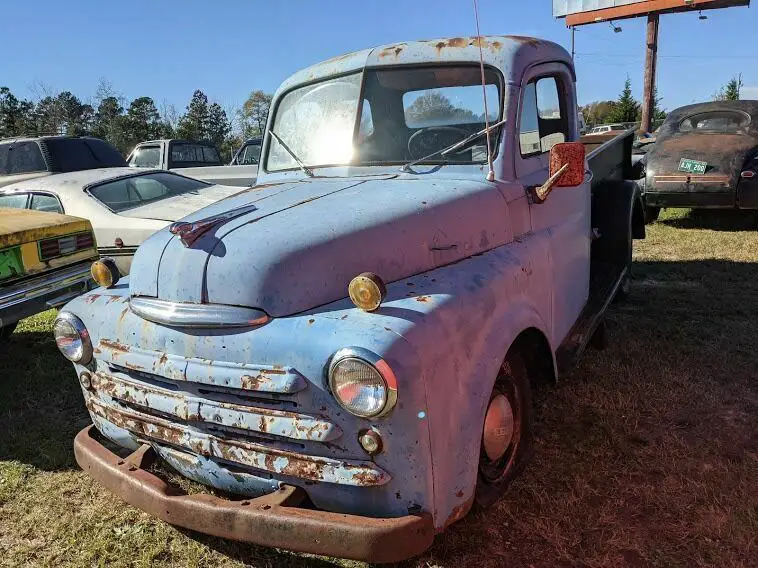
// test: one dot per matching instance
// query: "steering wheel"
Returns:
(427, 140)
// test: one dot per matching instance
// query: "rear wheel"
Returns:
(507, 431)
(5, 331)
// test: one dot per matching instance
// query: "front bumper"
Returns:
(275, 519)
(48, 290)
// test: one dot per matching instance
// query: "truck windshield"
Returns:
(397, 115)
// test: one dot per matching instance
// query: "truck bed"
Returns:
(609, 155)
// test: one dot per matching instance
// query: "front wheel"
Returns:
(507, 431)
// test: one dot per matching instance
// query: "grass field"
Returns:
(646, 455)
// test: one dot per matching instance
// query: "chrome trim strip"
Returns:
(356, 473)
(292, 425)
(44, 284)
(175, 314)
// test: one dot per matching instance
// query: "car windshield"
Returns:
(715, 121)
(137, 190)
(397, 115)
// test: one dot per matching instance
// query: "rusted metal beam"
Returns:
(639, 9)
(651, 62)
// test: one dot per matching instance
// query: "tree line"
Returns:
(628, 109)
(108, 116)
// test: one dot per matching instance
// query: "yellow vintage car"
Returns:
(45, 261)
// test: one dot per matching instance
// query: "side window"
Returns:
(544, 122)
(251, 154)
(529, 130)
(147, 157)
(25, 157)
(14, 200)
(48, 203)
(4, 158)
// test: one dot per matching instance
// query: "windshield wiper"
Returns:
(306, 170)
(453, 147)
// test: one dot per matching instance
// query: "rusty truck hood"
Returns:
(288, 247)
(725, 155)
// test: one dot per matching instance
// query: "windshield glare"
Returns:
(401, 115)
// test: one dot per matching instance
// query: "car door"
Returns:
(546, 117)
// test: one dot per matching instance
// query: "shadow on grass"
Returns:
(714, 220)
(41, 404)
(253, 555)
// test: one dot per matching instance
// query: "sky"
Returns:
(166, 49)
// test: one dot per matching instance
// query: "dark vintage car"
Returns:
(705, 156)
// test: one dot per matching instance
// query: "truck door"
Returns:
(547, 116)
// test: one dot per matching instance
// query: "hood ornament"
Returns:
(190, 231)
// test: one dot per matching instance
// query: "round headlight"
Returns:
(105, 272)
(72, 338)
(362, 383)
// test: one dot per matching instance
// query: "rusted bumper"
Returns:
(272, 520)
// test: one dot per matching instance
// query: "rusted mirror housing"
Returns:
(571, 153)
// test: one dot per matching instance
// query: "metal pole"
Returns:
(573, 30)
(651, 61)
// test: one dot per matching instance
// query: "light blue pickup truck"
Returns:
(350, 346)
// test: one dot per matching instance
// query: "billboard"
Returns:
(578, 12)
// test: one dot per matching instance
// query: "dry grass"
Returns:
(647, 455)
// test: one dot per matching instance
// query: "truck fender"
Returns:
(457, 421)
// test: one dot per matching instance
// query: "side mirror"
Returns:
(566, 169)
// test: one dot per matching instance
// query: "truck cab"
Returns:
(351, 345)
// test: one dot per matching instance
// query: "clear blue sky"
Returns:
(166, 49)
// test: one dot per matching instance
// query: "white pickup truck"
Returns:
(199, 160)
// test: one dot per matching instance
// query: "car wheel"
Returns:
(651, 214)
(5, 331)
(507, 431)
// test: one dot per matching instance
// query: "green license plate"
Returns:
(692, 166)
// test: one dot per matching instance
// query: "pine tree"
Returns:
(626, 109)
(217, 126)
(194, 124)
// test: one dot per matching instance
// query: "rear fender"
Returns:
(616, 206)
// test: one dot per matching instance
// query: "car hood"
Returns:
(289, 247)
(174, 208)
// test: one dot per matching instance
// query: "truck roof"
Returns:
(32, 137)
(511, 54)
(179, 140)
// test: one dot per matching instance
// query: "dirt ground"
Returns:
(646, 455)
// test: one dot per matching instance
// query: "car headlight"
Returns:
(72, 338)
(362, 382)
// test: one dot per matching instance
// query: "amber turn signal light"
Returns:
(105, 272)
(367, 291)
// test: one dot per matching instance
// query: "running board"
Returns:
(604, 285)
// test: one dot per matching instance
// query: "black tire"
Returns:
(494, 477)
(5, 331)
(651, 214)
